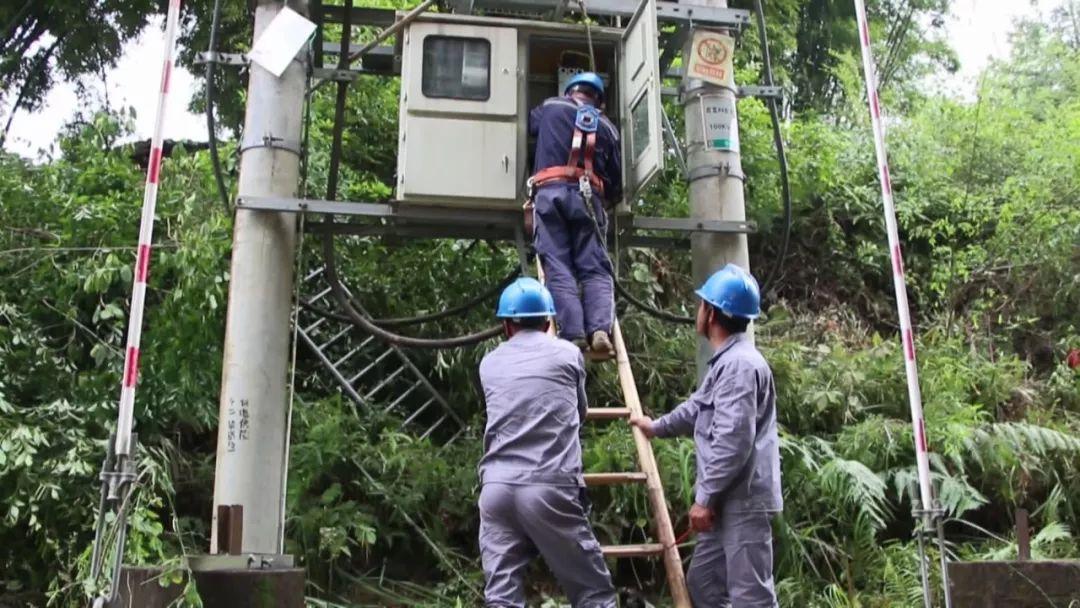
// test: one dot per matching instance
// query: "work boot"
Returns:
(601, 343)
(580, 343)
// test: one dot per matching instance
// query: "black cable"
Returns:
(211, 127)
(416, 320)
(342, 97)
(651, 310)
(781, 154)
(588, 34)
(361, 320)
(646, 308)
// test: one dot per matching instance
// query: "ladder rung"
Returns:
(620, 551)
(320, 295)
(334, 338)
(372, 365)
(611, 479)
(431, 429)
(344, 357)
(314, 326)
(418, 411)
(607, 413)
(385, 381)
(598, 357)
(314, 273)
(402, 396)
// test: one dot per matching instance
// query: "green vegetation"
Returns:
(989, 214)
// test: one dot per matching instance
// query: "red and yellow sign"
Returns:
(711, 58)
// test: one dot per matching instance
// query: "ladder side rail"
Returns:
(665, 531)
(343, 383)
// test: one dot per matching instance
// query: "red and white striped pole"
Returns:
(126, 412)
(914, 395)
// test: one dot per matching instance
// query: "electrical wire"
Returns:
(781, 154)
(418, 319)
(211, 126)
(297, 283)
(588, 35)
(639, 304)
(663, 315)
(361, 319)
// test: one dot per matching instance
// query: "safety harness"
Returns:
(578, 168)
(582, 148)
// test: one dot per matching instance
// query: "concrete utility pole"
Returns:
(253, 419)
(716, 183)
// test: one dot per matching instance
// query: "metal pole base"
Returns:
(930, 527)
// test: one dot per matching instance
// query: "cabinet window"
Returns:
(457, 68)
(639, 126)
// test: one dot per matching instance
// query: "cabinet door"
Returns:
(459, 160)
(640, 76)
(459, 105)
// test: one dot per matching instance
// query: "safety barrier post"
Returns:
(118, 471)
(928, 509)
(125, 415)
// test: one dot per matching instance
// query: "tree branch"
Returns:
(24, 88)
(9, 29)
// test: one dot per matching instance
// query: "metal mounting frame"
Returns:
(409, 221)
(396, 220)
(671, 12)
(762, 92)
(236, 59)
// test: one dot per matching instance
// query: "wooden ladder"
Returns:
(649, 474)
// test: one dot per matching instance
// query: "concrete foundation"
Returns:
(1027, 584)
(279, 588)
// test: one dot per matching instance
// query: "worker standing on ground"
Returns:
(732, 417)
(577, 173)
(532, 497)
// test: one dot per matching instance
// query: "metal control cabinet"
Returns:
(468, 83)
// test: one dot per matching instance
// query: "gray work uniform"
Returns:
(532, 495)
(732, 416)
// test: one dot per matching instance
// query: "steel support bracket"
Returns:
(116, 480)
(413, 214)
(678, 224)
(666, 11)
(323, 75)
(762, 92)
(693, 14)
(299, 205)
(237, 59)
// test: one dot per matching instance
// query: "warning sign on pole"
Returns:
(720, 122)
(711, 58)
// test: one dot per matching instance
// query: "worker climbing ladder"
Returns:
(648, 474)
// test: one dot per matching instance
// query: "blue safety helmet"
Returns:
(525, 298)
(732, 291)
(591, 79)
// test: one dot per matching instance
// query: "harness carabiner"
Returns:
(585, 186)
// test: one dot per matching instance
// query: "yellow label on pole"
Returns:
(711, 58)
